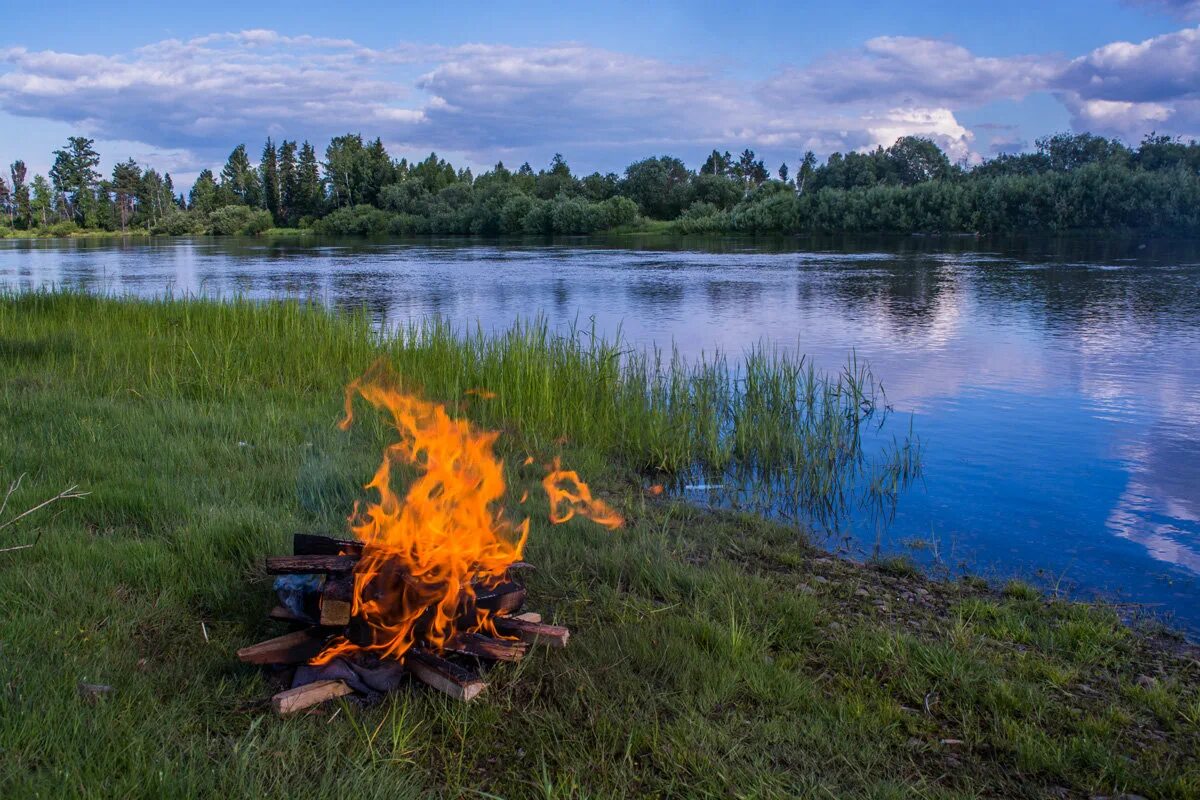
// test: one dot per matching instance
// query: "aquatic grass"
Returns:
(768, 420)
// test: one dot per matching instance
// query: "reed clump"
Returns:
(769, 417)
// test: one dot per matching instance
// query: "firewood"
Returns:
(337, 600)
(529, 616)
(291, 648)
(459, 683)
(303, 565)
(335, 613)
(507, 598)
(311, 694)
(480, 646)
(307, 544)
(533, 632)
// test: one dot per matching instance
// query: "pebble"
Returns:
(1146, 682)
(861, 592)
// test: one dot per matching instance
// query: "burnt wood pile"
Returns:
(316, 606)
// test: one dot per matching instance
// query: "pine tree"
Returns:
(311, 191)
(205, 195)
(289, 186)
(23, 215)
(127, 185)
(75, 178)
(268, 168)
(42, 202)
(239, 180)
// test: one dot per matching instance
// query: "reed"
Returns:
(767, 418)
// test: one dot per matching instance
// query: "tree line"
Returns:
(1068, 182)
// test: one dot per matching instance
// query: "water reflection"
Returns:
(1055, 383)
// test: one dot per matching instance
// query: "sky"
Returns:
(602, 83)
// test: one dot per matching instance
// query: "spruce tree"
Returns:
(311, 191)
(268, 168)
(289, 186)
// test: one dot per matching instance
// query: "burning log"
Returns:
(506, 598)
(303, 565)
(311, 694)
(476, 644)
(291, 648)
(327, 602)
(443, 675)
(428, 573)
(533, 632)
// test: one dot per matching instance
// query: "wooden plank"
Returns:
(304, 565)
(308, 544)
(533, 632)
(529, 616)
(437, 672)
(308, 695)
(291, 648)
(480, 646)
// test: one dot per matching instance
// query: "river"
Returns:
(1054, 384)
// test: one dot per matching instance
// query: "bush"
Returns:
(61, 229)
(702, 217)
(180, 223)
(574, 215)
(617, 211)
(361, 220)
(239, 220)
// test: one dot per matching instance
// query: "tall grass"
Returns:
(716, 655)
(768, 420)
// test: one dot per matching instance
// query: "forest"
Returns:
(1068, 182)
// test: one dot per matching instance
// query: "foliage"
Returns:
(1069, 182)
(232, 220)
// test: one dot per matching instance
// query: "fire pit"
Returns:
(426, 589)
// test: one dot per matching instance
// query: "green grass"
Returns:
(714, 655)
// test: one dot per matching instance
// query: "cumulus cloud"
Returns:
(1127, 89)
(918, 71)
(487, 101)
(214, 88)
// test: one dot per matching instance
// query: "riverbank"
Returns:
(714, 654)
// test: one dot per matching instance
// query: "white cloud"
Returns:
(1128, 89)
(488, 101)
(915, 70)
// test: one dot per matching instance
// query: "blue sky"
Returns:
(177, 87)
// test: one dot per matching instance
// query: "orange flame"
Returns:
(425, 553)
(563, 486)
(482, 394)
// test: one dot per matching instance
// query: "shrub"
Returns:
(180, 223)
(235, 220)
(61, 229)
(361, 220)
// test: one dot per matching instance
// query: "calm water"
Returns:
(1055, 386)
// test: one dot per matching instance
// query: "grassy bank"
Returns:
(714, 655)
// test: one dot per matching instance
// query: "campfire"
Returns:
(426, 588)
